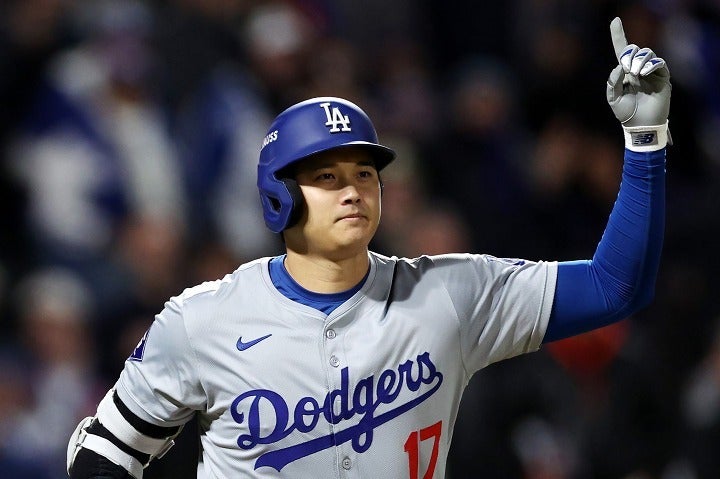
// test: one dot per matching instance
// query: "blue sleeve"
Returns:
(620, 278)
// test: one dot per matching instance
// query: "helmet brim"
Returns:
(381, 155)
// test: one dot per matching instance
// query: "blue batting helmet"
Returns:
(304, 129)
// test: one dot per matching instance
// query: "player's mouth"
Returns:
(353, 217)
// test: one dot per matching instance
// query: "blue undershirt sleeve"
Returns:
(620, 278)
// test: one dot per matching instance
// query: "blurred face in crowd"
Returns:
(341, 189)
(56, 336)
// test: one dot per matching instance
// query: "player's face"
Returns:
(342, 204)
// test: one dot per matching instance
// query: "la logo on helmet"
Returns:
(335, 119)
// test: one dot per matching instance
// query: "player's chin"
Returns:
(354, 234)
(353, 238)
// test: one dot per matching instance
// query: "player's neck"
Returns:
(325, 275)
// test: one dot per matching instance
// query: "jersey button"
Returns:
(346, 463)
(330, 334)
(334, 361)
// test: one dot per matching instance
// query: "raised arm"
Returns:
(620, 278)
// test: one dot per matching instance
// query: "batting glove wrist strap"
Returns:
(646, 138)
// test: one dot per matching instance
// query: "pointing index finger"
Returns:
(617, 33)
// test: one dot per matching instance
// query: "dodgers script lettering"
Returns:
(337, 406)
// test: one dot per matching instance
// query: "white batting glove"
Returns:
(638, 91)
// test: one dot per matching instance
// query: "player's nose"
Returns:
(349, 194)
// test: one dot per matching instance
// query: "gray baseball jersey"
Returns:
(372, 390)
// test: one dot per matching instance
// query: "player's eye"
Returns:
(325, 177)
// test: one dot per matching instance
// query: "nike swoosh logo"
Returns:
(243, 346)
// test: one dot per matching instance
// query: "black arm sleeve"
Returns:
(91, 465)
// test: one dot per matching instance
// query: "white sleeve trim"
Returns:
(110, 417)
(548, 299)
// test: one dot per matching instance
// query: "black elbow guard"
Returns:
(118, 440)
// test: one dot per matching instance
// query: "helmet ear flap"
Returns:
(297, 201)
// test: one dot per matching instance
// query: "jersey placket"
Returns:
(336, 362)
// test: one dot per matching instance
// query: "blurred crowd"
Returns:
(129, 136)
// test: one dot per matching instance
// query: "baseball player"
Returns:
(332, 361)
